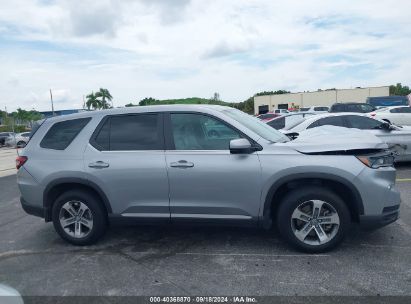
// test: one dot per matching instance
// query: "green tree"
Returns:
(105, 96)
(92, 102)
(272, 93)
(148, 101)
(399, 89)
(130, 105)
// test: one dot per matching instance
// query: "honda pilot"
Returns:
(202, 164)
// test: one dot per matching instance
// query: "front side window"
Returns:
(201, 132)
(130, 133)
(363, 123)
(61, 134)
(267, 116)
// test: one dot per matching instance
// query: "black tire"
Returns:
(294, 199)
(99, 217)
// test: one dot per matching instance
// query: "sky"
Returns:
(193, 48)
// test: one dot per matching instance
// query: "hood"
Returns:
(332, 138)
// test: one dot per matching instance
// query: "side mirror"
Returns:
(292, 135)
(386, 126)
(240, 146)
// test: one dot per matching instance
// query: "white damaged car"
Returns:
(398, 138)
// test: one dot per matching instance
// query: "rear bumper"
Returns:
(389, 215)
(32, 210)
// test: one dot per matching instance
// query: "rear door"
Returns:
(125, 158)
(404, 114)
(207, 182)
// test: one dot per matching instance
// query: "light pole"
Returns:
(52, 104)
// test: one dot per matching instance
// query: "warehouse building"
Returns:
(267, 103)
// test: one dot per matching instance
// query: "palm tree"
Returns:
(93, 102)
(104, 94)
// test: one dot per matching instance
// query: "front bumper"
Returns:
(32, 210)
(388, 216)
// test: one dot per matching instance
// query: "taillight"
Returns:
(20, 161)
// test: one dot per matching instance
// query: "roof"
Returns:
(142, 109)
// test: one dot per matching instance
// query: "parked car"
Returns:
(159, 164)
(271, 115)
(267, 116)
(281, 111)
(315, 109)
(4, 136)
(20, 140)
(398, 138)
(388, 101)
(288, 121)
(396, 115)
(352, 107)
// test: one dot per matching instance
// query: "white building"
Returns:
(267, 103)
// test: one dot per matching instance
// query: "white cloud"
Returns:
(182, 48)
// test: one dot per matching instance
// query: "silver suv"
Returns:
(203, 164)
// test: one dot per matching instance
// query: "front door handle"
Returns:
(98, 164)
(182, 164)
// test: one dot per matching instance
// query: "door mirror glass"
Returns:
(240, 145)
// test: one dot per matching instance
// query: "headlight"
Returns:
(377, 161)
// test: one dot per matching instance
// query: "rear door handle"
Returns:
(98, 164)
(182, 164)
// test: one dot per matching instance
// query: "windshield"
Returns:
(255, 125)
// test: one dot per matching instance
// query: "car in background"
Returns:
(4, 136)
(395, 115)
(388, 101)
(352, 107)
(267, 116)
(270, 115)
(19, 140)
(281, 111)
(288, 121)
(398, 138)
(315, 109)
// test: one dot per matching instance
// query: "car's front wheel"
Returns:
(313, 219)
(79, 217)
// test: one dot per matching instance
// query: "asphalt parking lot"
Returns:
(190, 260)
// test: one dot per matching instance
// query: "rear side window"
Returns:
(130, 133)
(328, 121)
(61, 134)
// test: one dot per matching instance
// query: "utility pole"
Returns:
(52, 104)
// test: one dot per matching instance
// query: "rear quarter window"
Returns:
(61, 134)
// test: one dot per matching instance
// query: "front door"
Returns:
(207, 182)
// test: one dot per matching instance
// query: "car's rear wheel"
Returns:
(313, 219)
(79, 218)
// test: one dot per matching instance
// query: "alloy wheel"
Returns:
(315, 222)
(76, 219)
